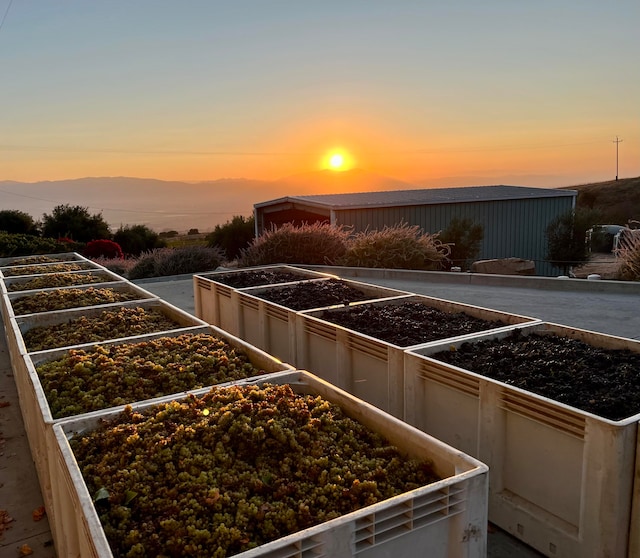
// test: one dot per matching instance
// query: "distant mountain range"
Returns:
(172, 205)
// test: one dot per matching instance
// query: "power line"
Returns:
(5, 14)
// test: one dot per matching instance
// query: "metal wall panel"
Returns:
(512, 228)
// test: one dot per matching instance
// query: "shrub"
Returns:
(137, 239)
(463, 237)
(629, 255)
(234, 236)
(566, 238)
(121, 266)
(145, 265)
(74, 222)
(103, 248)
(26, 245)
(15, 221)
(399, 247)
(175, 261)
(319, 243)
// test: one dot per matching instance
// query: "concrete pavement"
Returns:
(603, 306)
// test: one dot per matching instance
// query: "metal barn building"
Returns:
(514, 218)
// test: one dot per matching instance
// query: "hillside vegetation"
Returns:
(618, 201)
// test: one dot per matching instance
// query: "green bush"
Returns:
(399, 247)
(163, 262)
(464, 238)
(629, 256)
(316, 244)
(27, 245)
(15, 221)
(234, 236)
(75, 222)
(566, 238)
(137, 239)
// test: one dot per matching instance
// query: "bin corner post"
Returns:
(634, 525)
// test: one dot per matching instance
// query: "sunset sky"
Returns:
(416, 90)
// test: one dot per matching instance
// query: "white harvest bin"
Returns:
(66, 266)
(15, 328)
(370, 368)
(23, 324)
(121, 286)
(561, 478)
(13, 283)
(39, 259)
(213, 298)
(272, 327)
(446, 519)
(37, 413)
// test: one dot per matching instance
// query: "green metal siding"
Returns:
(512, 228)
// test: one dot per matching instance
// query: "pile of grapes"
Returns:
(239, 467)
(409, 323)
(605, 382)
(110, 324)
(241, 279)
(107, 376)
(53, 268)
(52, 280)
(61, 299)
(37, 260)
(314, 294)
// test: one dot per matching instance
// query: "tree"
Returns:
(136, 239)
(464, 238)
(75, 222)
(233, 236)
(15, 221)
(566, 238)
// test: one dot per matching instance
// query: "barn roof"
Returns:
(429, 196)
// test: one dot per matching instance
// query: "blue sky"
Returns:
(199, 90)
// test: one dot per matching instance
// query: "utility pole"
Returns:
(617, 141)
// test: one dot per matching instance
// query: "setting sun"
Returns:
(336, 161)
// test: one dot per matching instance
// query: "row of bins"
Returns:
(444, 518)
(563, 479)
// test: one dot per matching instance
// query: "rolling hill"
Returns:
(618, 201)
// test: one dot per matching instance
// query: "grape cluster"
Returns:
(91, 380)
(51, 280)
(109, 324)
(40, 259)
(61, 299)
(53, 268)
(241, 466)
